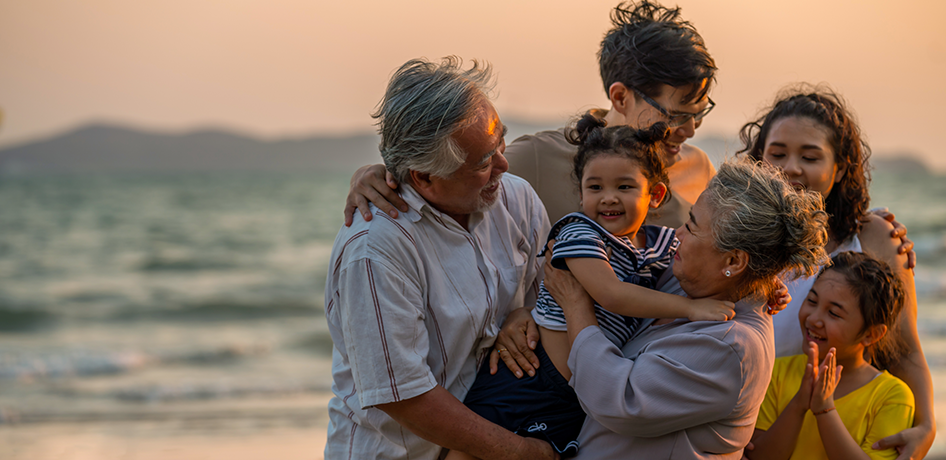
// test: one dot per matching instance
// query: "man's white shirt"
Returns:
(416, 302)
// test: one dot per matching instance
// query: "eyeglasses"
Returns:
(679, 119)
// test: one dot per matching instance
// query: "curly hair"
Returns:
(759, 213)
(848, 200)
(640, 146)
(880, 296)
(650, 45)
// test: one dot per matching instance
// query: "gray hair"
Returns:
(424, 105)
(759, 213)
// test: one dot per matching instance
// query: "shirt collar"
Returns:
(418, 206)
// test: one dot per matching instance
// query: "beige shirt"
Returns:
(416, 302)
(546, 160)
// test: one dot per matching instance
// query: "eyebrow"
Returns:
(493, 152)
(804, 147)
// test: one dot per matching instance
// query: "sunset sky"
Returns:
(292, 67)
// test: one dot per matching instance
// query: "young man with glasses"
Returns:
(655, 67)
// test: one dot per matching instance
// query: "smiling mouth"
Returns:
(671, 147)
(816, 337)
(611, 214)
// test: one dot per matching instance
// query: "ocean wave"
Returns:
(162, 264)
(221, 310)
(212, 391)
(57, 364)
(25, 320)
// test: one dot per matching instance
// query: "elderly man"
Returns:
(414, 303)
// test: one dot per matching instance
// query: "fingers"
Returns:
(349, 213)
(532, 337)
(381, 200)
(493, 362)
(892, 441)
(813, 359)
(911, 260)
(525, 359)
(510, 361)
(906, 245)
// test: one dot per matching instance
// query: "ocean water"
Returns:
(198, 297)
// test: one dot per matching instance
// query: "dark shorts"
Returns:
(542, 407)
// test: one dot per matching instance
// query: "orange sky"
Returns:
(284, 67)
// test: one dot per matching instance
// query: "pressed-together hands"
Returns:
(816, 392)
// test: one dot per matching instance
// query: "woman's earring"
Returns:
(728, 273)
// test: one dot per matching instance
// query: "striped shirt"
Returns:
(578, 236)
(416, 302)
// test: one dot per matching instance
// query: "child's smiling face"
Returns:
(831, 317)
(615, 194)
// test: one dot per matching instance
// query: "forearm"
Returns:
(778, 442)
(840, 444)
(629, 299)
(442, 419)
(599, 280)
(912, 367)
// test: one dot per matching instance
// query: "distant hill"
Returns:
(109, 148)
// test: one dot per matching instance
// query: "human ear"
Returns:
(839, 174)
(737, 262)
(618, 93)
(657, 193)
(420, 180)
(873, 334)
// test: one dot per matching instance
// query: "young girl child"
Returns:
(812, 136)
(820, 412)
(616, 259)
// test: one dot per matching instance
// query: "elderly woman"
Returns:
(691, 390)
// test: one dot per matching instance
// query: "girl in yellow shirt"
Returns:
(814, 411)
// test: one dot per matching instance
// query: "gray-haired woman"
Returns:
(691, 390)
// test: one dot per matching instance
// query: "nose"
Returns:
(814, 319)
(791, 166)
(688, 129)
(500, 164)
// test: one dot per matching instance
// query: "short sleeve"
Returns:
(385, 336)
(894, 415)
(577, 240)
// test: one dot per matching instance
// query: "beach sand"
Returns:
(292, 427)
(293, 430)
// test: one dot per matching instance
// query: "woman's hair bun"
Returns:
(654, 134)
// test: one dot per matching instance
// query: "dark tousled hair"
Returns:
(847, 202)
(593, 139)
(650, 45)
(880, 296)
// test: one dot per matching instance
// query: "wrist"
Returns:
(797, 406)
(823, 411)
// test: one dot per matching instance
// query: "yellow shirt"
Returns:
(882, 407)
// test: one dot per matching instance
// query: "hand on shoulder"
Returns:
(877, 242)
